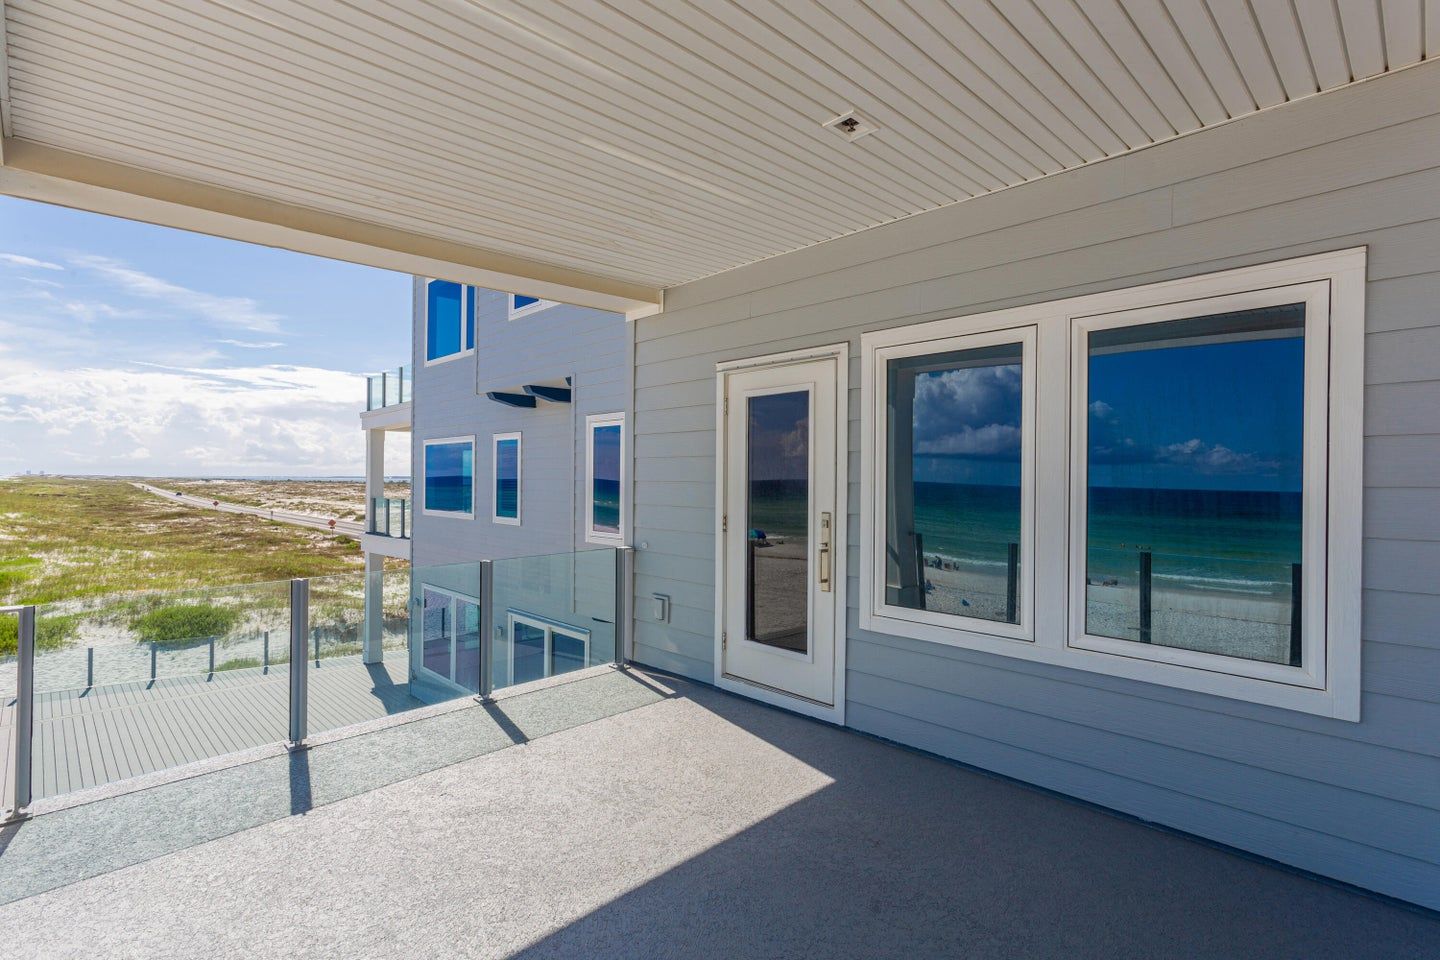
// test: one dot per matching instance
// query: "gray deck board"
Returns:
(84, 738)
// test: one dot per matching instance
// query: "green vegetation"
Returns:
(63, 538)
(51, 633)
(181, 622)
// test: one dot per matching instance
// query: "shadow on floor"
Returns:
(904, 855)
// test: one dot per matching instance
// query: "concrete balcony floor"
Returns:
(628, 815)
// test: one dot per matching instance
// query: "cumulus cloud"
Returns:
(1111, 444)
(18, 260)
(240, 312)
(969, 412)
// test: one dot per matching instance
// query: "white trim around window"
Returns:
(593, 535)
(550, 628)
(495, 442)
(425, 474)
(515, 313)
(1327, 679)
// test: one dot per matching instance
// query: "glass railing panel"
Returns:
(445, 631)
(552, 615)
(1232, 606)
(136, 683)
(388, 388)
(390, 517)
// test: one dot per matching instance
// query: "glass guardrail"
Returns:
(388, 388)
(390, 516)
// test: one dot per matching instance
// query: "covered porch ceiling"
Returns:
(600, 152)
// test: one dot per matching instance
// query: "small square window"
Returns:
(449, 481)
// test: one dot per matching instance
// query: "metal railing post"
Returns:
(400, 375)
(89, 667)
(154, 662)
(212, 656)
(1145, 611)
(299, 667)
(624, 604)
(487, 630)
(384, 389)
(265, 652)
(20, 792)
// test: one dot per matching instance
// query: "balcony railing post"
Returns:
(265, 652)
(299, 667)
(400, 378)
(20, 792)
(89, 667)
(486, 593)
(384, 389)
(624, 604)
(1145, 610)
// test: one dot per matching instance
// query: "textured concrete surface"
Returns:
(699, 825)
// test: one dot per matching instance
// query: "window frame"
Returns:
(455, 599)
(932, 625)
(1333, 522)
(467, 320)
(512, 617)
(592, 535)
(495, 441)
(1315, 296)
(515, 313)
(425, 478)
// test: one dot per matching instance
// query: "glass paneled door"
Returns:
(782, 551)
(450, 636)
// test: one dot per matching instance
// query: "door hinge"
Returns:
(724, 640)
(725, 523)
(727, 406)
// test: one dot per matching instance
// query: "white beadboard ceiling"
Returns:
(658, 141)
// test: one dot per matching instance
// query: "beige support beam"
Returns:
(35, 171)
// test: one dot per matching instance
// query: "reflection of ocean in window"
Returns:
(605, 458)
(449, 476)
(1194, 464)
(954, 481)
(507, 478)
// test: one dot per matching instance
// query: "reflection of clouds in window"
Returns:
(969, 412)
(780, 427)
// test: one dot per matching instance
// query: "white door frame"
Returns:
(839, 569)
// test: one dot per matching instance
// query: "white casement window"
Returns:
(540, 648)
(605, 479)
(1160, 483)
(449, 321)
(506, 476)
(448, 482)
(523, 306)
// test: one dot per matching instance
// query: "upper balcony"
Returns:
(387, 399)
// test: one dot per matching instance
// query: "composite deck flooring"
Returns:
(84, 738)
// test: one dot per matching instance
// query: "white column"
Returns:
(373, 641)
(374, 473)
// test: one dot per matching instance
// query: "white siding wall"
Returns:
(1360, 802)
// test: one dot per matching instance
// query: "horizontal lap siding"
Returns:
(591, 346)
(1360, 802)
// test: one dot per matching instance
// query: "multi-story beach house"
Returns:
(518, 409)
(1052, 386)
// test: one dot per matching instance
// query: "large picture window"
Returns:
(506, 471)
(957, 481)
(449, 321)
(605, 478)
(449, 482)
(1161, 483)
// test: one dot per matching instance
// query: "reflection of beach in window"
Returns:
(953, 511)
(778, 519)
(1194, 464)
(605, 445)
(507, 478)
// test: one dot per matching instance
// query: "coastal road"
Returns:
(349, 528)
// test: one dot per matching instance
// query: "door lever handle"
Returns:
(824, 564)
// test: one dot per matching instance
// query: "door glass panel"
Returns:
(436, 630)
(778, 520)
(953, 489)
(567, 653)
(1194, 468)
(529, 652)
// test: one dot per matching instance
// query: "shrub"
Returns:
(51, 633)
(179, 623)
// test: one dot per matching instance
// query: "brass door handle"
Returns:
(824, 564)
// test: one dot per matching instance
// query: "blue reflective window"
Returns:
(470, 318)
(449, 477)
(520, 303)
(507, 478)
(605, 484)
(443, 336)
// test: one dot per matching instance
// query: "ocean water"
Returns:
(607, 505)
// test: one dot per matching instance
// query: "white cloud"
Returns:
(253, 344)
(17, 260)
(240, 312)
(268, 419)
(1101, 409)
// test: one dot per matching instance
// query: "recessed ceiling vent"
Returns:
(851, 126)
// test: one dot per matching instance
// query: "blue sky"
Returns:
(134, 349)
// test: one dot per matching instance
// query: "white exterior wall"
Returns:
(1356, 801)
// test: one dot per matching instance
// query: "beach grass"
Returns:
(64, 539)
